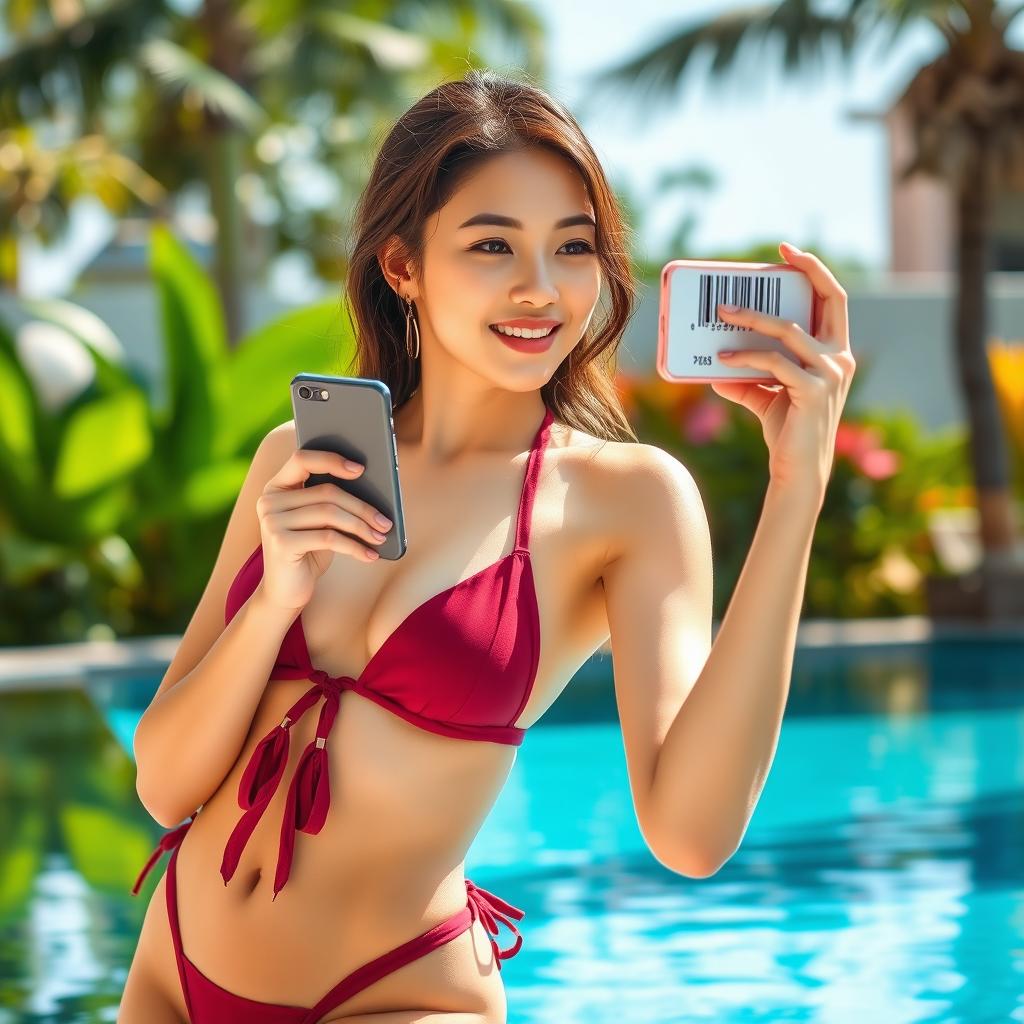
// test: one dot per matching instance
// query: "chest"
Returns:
(466, 590)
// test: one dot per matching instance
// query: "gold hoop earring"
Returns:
(410, 323)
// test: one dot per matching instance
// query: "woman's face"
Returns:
(479, 274)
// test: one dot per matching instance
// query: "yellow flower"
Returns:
(1006, 363)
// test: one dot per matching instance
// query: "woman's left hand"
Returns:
(800, 419)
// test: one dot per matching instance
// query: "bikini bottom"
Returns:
(209, 1003)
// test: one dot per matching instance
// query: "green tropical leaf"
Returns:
(104, 848)
(211, 489)
(195, 353)
(21, 859)
(105, 439)
(314, 339)
(19, 460)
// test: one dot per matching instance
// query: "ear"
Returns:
(398, 268)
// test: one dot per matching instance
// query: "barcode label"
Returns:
(758, 292)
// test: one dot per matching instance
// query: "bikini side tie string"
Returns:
(167, 842)
(489, 908)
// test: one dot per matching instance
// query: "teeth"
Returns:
(519, 332)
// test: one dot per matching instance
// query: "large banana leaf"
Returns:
(195, 353)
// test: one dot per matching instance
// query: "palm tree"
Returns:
(966, 111)
(220, 97)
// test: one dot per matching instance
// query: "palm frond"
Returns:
(176, 69)
(804, 34)
(894, 17)
(391, 48)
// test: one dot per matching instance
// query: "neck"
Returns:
(443, 430)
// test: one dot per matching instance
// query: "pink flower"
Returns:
(860, 445)
(879, 464)
(853, 440)
(705, 422)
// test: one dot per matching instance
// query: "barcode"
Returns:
(758, 292)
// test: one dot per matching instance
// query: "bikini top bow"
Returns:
(309, 794)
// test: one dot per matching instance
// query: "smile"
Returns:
(527, 344)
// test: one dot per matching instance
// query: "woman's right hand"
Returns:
(301, 527)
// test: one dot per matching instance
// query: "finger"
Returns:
(833, 326)
(278, 501)
(331, 540)
(755, 397)
(303, 462)
(774, 363)
(791, 334)
(326, 513)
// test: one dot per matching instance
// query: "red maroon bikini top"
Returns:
(462, 664)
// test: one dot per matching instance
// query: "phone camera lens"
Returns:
(304, 392)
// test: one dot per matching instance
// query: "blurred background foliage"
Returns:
(268, 108)
(872, 544)
(116, 487)
(116, 493)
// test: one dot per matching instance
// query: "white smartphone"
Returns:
(690, 333)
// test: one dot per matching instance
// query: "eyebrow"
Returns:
(501, 221)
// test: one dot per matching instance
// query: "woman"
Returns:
(341, 812)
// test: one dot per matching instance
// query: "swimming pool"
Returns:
(881, 876)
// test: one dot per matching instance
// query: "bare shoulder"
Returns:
(283, 436)
(642, 491)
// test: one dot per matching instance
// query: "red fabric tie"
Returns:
(309, 793)
(490, 909)
(167, 842)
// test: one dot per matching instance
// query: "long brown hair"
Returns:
(426, 155)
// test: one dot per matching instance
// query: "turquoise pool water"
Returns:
(880, 879)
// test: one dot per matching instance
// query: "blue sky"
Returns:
(788, 161)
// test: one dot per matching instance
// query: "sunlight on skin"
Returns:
(477, 393)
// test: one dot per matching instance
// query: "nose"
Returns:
(537, 284)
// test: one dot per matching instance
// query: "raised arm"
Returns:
(658, 590)
(701, 727)
(194, 728)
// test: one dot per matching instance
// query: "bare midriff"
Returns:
(388, 863)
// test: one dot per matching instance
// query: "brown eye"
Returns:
(586, 247)
(479, 247)
(490, 241)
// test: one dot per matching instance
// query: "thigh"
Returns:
(144, 1000)
(152, 992)
(458, 982)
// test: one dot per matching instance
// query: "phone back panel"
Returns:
(690, 333)
(353, 417)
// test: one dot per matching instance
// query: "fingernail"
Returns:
(382, 520)
(349, 464)
(727, 307)
(725, 353)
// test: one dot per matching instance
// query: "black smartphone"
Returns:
(352, 416)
